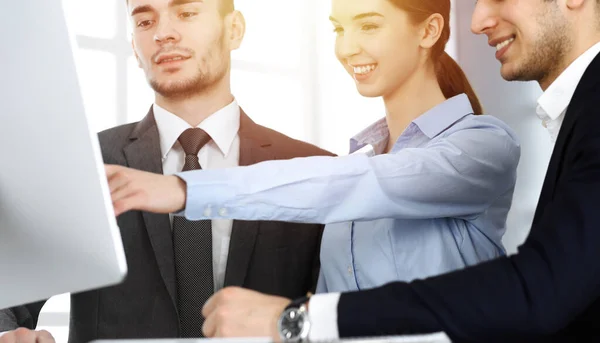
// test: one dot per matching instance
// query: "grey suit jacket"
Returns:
(271, 257)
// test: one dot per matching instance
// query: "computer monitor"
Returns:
(58, 232)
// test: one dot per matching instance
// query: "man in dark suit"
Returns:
(184, 48)
(550, 289)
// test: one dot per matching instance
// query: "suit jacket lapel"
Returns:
(254, 148)
(143, 153)
(575, 109)
(555, 164)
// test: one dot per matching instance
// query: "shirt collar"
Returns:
(431, 123)
(222, 126)
(371, 138)
(442, 116)
(557, 97)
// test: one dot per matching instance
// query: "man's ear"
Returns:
(236, 29)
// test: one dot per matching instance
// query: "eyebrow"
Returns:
(361, 16)
(172, 3)
(141, 9)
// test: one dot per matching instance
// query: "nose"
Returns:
(346, 46)
(484, 17)
(166, 32)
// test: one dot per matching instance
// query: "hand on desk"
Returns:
(23, 335)
(132, 189)
(237, 312)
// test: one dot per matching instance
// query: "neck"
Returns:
(195, 108)
(580, 46)
(419, 94)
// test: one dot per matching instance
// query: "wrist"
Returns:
(181, 192)
(294, 324)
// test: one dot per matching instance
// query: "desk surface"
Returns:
(433, 338)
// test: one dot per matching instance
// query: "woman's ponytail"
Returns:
(453, 81)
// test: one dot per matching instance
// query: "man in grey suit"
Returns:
(184, 48)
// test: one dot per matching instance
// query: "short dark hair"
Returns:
(225, 6)
(597, 8)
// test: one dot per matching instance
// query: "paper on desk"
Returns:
(231, 340)
(429, 338)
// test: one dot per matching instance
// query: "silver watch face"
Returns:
(294, 325)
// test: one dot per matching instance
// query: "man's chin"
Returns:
(172, 88)
(522, 74)
(509, 72)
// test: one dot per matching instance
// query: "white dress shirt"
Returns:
(552, 105)
(222, 151)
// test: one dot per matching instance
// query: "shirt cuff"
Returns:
(322, 313)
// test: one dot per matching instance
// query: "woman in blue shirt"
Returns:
(425, 190)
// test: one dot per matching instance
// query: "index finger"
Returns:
(44, 336)
(8, 337)
(110, 169)
(210, 305)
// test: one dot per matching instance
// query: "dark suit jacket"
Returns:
(549, 291)
(271, 257)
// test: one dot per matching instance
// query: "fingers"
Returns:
(23, 335)
(7, 337)
(222, 298)
(223, 322)
(44, 336)
(123, 194)
(111, 169)
(127, 201)
(215, 312)
(209, 328)
(210, 304)
(117, 176)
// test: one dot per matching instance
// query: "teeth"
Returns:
(172, 59)
(504, 44)
(364, 69)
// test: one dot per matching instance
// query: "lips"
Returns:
(168, 58)
(502, 44)
(494, 42)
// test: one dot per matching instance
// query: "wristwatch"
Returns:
(293, 324)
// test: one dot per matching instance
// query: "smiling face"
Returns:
(183, 46)
(377, 44)
(531, 37)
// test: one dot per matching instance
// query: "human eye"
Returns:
(144, 23)
(369, 27)
(338, 30)
(188, 14)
